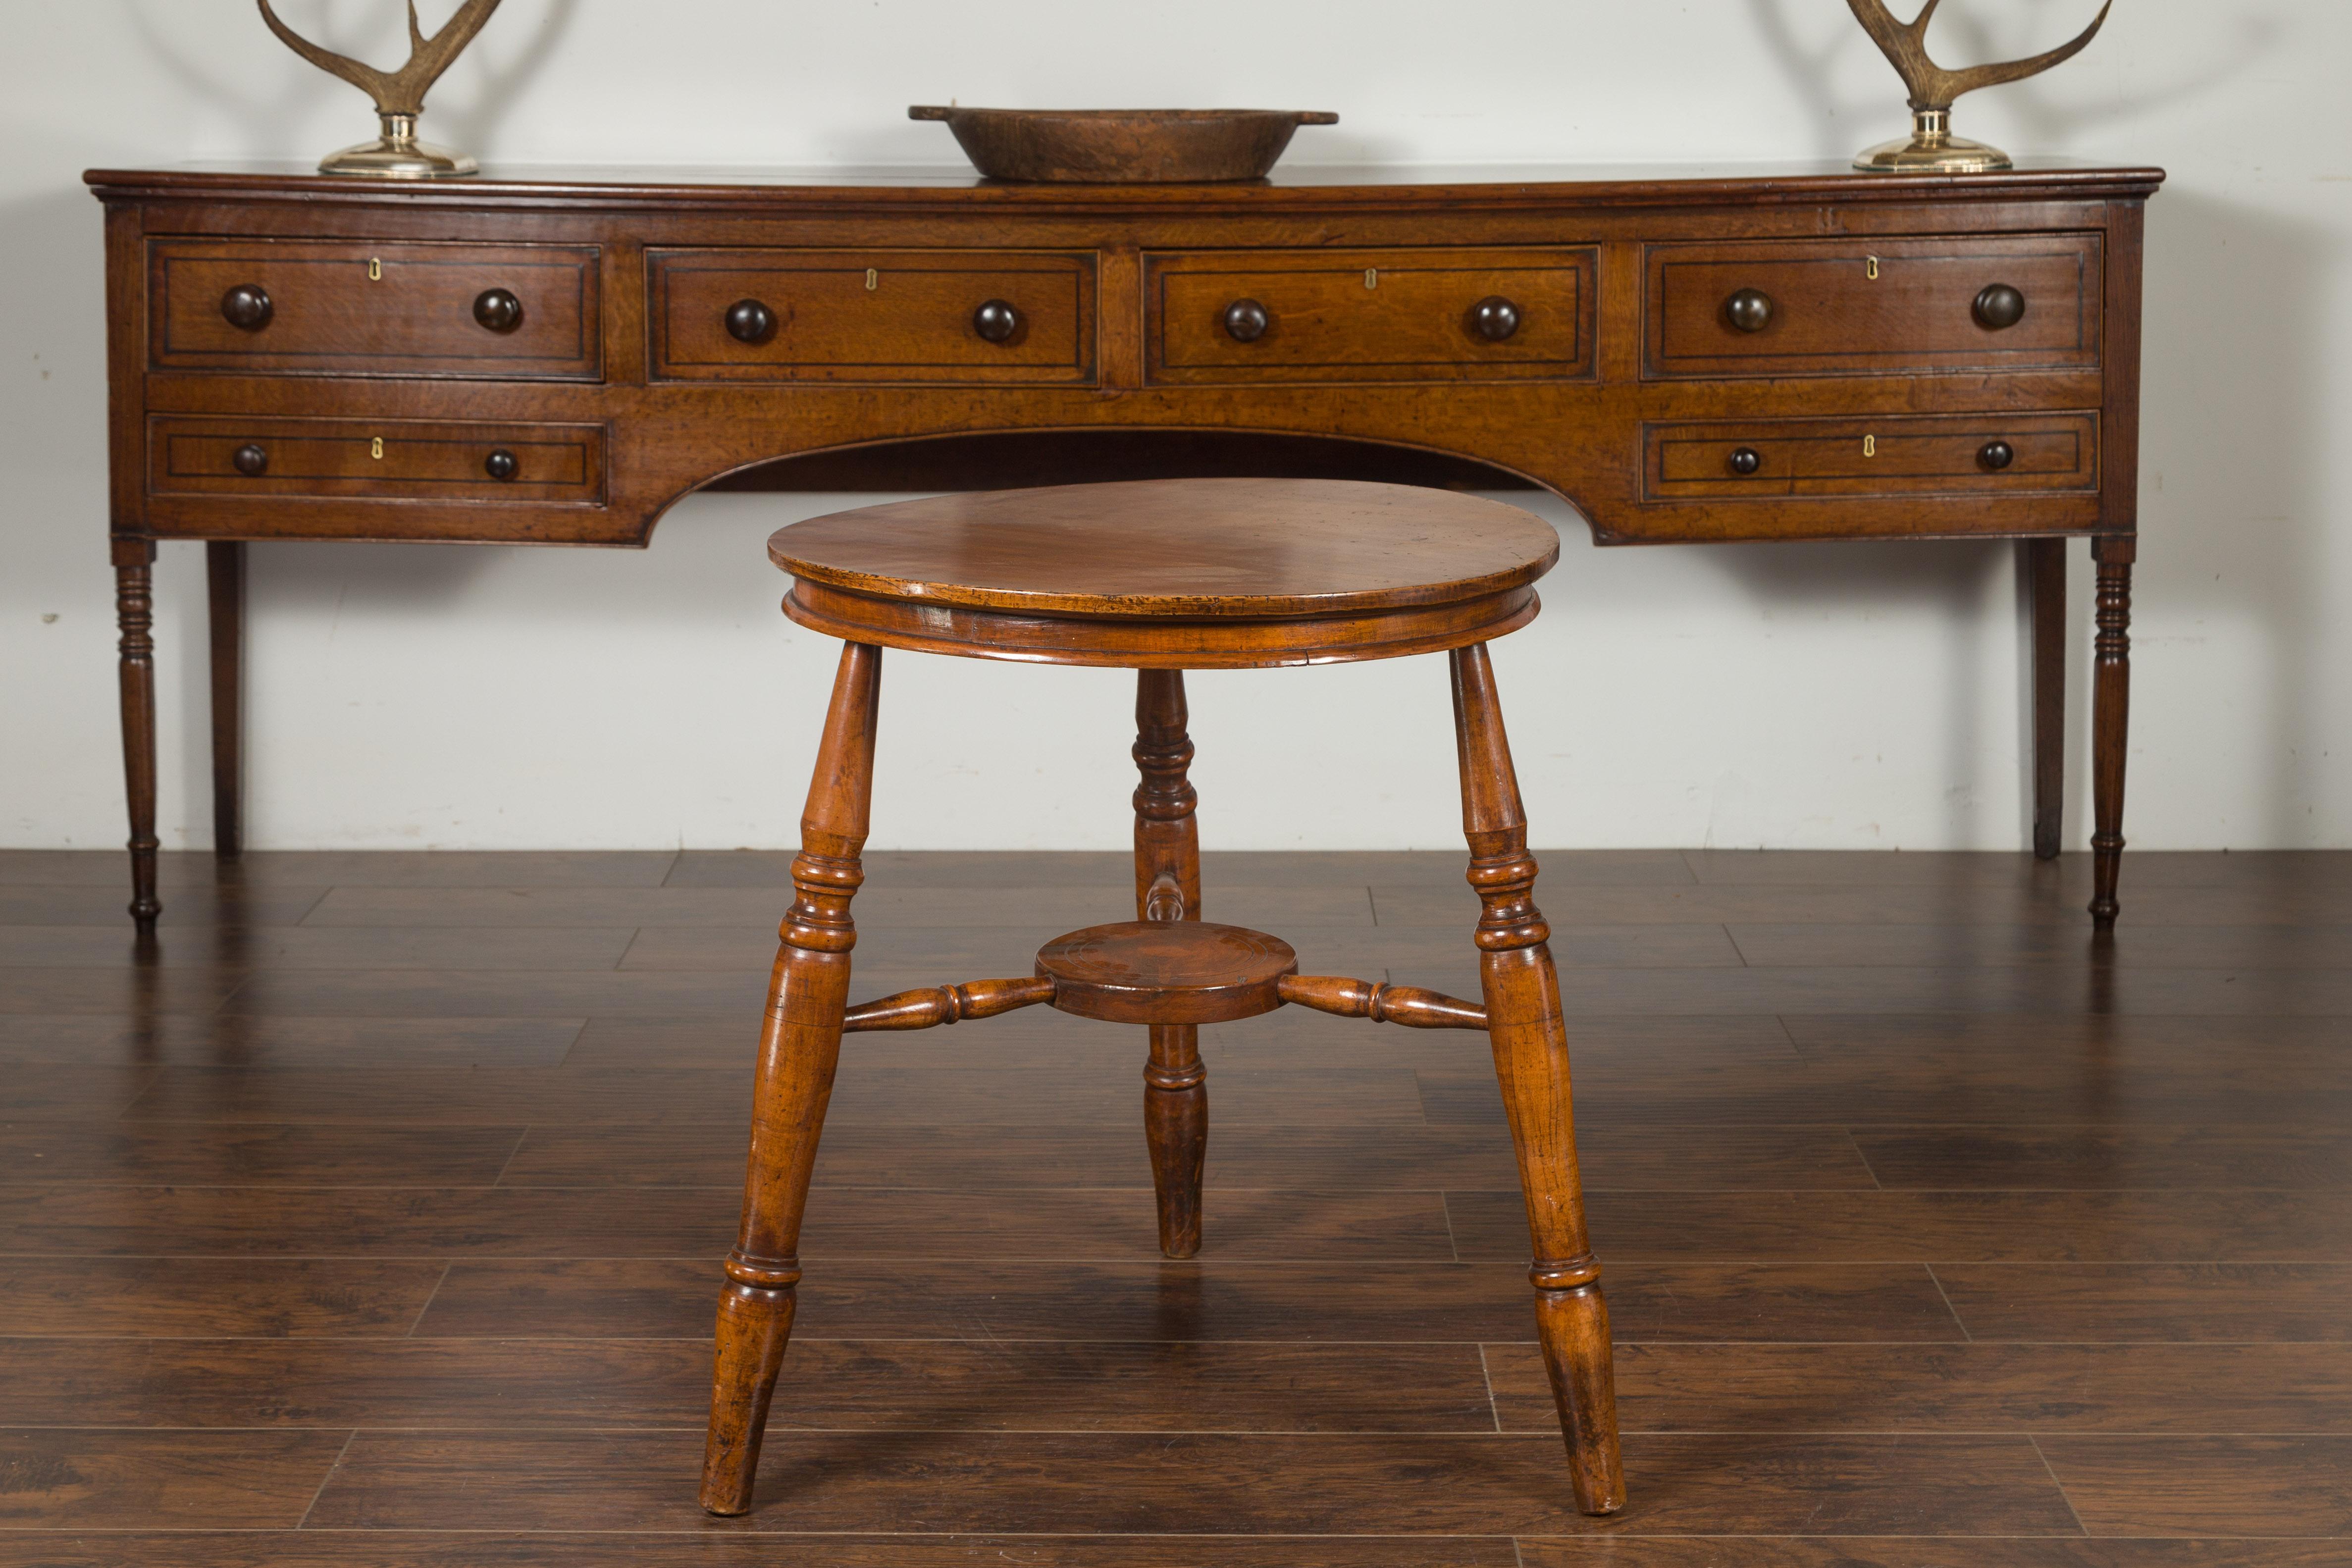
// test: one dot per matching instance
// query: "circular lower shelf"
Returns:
(1166, 972)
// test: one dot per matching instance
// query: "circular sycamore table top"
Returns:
(1181, 574)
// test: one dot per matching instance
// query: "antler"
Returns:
(401, 92)
(1934, 88)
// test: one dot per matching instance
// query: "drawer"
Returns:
(393, 460)
(355, 308)
(897, 316)
(1385, 315)
(1861, 307)
(1945, 453)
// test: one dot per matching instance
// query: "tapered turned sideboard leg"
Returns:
(134, 612)
(1167, 887)
(2046, 573)
(2110, 721)
(801, 1043)
(1530, 1042)
(225, 584)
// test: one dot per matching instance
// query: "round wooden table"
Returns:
(1163, 576)
(1171, 574)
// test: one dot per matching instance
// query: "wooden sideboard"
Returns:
(1687, 356)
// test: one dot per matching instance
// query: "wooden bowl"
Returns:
(1123, 146)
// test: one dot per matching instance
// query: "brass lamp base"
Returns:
(1933, 150)
(397, 155)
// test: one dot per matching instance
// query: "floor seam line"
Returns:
(324, 1480)
(1864, 1155)
(2051, 1471)
(1488, 1372)
(1947, 1296)
(499, 1181)
(427, 1305)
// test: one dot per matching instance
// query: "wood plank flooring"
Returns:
(372, 1216)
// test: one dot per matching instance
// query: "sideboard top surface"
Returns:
(1303, 186)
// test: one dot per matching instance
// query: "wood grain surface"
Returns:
(371, 1215)
(1683, 355)
(1216, 548)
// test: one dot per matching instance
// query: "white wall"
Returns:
(1806, 695)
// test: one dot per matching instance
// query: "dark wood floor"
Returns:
(376, 1218)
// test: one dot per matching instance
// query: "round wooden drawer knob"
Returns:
(248, 308)
(1998, 306)
(252, 460)
(498, 310)
(749, 321)
(501, 465)
(1996, 455)
(996, 320)
(1746, 461)
(1751, 310)
(1494, 318)
(1246, 320)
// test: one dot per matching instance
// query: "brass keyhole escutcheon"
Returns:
(873, 279)
(375, 448)
(1870, 268)
(375, 269)
(1870, 446)
(1372, 276)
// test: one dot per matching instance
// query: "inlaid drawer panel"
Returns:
(357, 307)
(382, 459)
(1873, 306)
(1954, 454)
(1389, 315)
(899, 316)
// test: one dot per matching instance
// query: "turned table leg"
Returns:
(800, 1044)
(1167, 887)
(2110, 721)
(224, 583)
(2046, 574)
(135, 611)
(1530, 1042)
